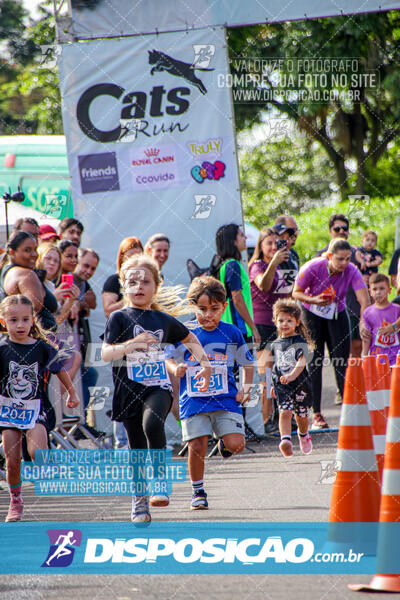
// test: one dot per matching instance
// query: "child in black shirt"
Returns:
(26, 358)
(290, 379)
(134, 339)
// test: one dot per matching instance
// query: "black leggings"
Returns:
(146, 428)
(336, 334)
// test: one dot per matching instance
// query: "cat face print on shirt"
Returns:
(22, 380)
(286, 360)
(154, 347)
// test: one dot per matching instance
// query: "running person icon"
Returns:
(62, 550)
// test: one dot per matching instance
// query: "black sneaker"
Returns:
(199, 500)
(222, 450)
(272, 425)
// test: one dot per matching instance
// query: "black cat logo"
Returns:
(163, 62)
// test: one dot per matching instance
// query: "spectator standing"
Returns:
(230, 242)
(264, 280)
(321, 287)
(339, 229)
(47, 233)
(112, 295)
(71, 229)
(157, 246)
(87, 264)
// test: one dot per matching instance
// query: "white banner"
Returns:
(110, 18)
(150, 141)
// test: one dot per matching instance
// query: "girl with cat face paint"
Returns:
(133, 341)
(26, 358)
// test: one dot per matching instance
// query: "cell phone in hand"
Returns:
(281, 244)
(67, 279)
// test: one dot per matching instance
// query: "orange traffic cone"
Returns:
(376, 405)
(356, 491)
(383, 368)
(390, 503)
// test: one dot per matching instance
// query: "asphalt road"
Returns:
(252, 487)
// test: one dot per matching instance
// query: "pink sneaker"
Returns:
(15, 510)
(286, 447)
(305, 444)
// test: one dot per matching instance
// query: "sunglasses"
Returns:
(340, 228)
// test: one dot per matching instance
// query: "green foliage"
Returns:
(343, 127)
(29, 94)
(285, 174)
(377, 214)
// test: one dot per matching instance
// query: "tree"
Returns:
(360, 118)
(30, 100)
(286, 172)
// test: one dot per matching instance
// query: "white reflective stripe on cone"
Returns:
(355, 414)
(391, 482)
(379, 443)
(386, 394)
(376, 400)
(356, 460)
(393, 429)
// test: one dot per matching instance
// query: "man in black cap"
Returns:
(287, 230)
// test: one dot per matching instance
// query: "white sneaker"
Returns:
(140, 510)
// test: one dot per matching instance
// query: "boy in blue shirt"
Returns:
(218, 409)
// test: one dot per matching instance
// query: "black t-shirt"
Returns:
(286, 352)
(113, 285)
(394, 262)
(124, 325)
(369, 255)
(85, 336)
(24, 369)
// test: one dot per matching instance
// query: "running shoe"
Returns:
(222, 450)
(15, 510)
(199, 500)
(286, 447)
(305, 443)
(140, 510)
(338, 398)
(319, 422)
(159, 500)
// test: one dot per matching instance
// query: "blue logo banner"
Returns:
(87, 472)
(202, 548)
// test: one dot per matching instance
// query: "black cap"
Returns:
(282, 228)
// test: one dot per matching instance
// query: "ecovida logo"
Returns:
(138, 104)
(62, 547)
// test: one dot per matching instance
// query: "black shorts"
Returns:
(354, 328)
(298, 399)
(267, 334)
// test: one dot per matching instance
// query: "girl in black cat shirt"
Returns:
(133, 341)
(25, 359)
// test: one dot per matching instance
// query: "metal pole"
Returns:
(397, 233)
(6, 207)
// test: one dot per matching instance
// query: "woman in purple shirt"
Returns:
(321, 287)
(264, 280)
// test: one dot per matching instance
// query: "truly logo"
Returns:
(62, 547)
(98, 172)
